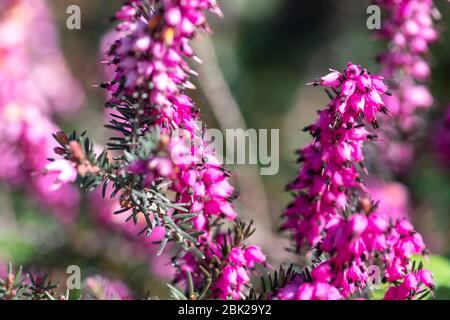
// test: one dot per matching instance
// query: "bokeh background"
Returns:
(265, 52)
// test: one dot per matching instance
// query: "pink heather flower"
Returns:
(426, 277)
(154, 168)
(320, 291)
(333, 79)
(358, 90)
(289, 292)
(396, 293)
(412, 283)
(64, 170)
(103, 209)
(298, 289)
(409, 30)
(167, 40)
(253, 254)
(323, 219)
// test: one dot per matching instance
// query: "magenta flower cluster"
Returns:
(410, 31)
(329, 171)
(151, 67)
(411, 284)
(29, 99)
(353, 246)
(149, 60)
(235, 276)
(331, 216)
(234, 271)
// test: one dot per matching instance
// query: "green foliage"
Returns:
(75, 294)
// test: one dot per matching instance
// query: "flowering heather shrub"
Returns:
(28, 101)
(163, 173)
(409, 31)
(332, 218)
(164, 72)
(165, 180)
(329, 172)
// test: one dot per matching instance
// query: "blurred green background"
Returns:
(266, 50)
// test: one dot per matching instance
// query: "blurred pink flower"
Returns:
(64, 170)
(392, 198)
(3, 270)
(35, 84)
(101, 288)
(409, 30)
(440, 140)
(26, 138)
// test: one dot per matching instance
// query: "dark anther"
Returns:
(375, 124)
(384, 109)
